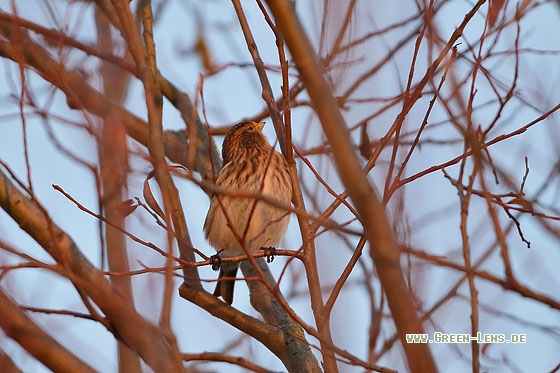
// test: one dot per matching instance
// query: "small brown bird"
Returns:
(237, 225)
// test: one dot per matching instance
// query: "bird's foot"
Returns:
(216, 261)
(269, 253)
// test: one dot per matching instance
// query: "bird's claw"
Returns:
(269, 253)
(216, 261)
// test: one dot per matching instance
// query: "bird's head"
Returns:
(242, 139)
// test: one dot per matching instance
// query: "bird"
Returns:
(237, 225)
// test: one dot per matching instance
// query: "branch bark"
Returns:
(129, 326)
(383, 249)
(22, 329)
(113, 170)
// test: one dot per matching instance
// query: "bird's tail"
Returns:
(224, 287)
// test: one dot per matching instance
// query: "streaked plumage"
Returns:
(250, 164)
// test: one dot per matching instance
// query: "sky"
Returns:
(234, 94)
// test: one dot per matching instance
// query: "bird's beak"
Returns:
(260, 126)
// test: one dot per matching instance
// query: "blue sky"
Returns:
(234, 94)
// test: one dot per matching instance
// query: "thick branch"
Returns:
(18, 326)
(81, 95)
(129, 326)
(383, 248)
